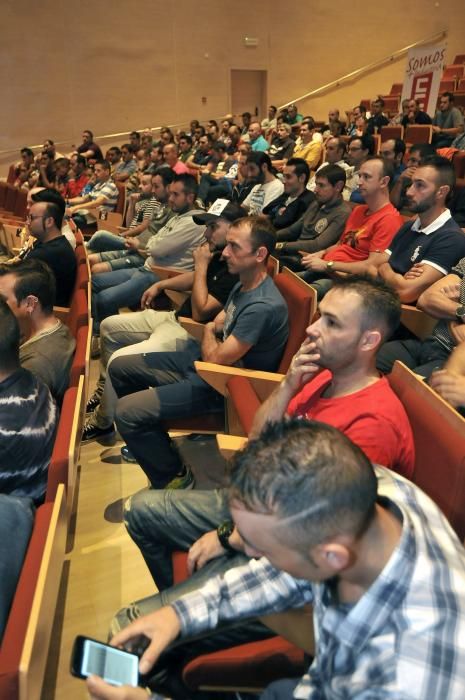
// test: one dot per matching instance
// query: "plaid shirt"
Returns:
(404, 638)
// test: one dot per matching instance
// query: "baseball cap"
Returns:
(220, 209)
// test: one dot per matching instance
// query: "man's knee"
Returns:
(143, 514)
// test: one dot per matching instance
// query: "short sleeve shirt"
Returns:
(440, 247)
(219, 284)
(373, 418)
(366, 233)
(258, 317)
(108, 190)
(59, 256)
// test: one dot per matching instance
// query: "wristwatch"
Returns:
(224, 532)
(460, 313)
(330, 265)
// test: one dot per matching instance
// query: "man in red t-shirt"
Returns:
(357, 315)
(367, 234)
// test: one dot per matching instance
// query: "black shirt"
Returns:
(60, 257)
(219, 283)
(281, 215)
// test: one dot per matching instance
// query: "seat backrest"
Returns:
(439, 437)
(10, 199)
(418, 133)
(121, 201)
(391, 104)
(453, 71)
(245, 401)
(301, 303)
(81, 360)
(78, 314)
(392, 132)
(20, 209)
(396, 89)
(11, 177)
(447, 85)
(25, 644)
(460, 58)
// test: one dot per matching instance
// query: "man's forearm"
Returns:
(273, 409)
(438, 305)
(199, 296)
(210, 343)
(456, 361)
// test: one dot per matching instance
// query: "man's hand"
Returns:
(132, 243)
(457, 331)
(452, 291)
(436, 129)
(415, 271)
(407, 173)
(160, 628)
(314, 263)
(205, 548)
(202, 255)
(99, 690)
(135, 196)
(304, 366)
(450, 386)
(149, 295)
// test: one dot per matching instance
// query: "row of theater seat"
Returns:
(25, 644)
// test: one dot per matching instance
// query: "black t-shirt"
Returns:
(376, 121)
(420, 118)
(84, 147)
(60, 257)
(219, 284)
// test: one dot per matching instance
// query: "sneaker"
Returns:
(127, 455)
(93, 402)
(92, 432)
(185, 480)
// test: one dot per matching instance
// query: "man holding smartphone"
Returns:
(372, 553)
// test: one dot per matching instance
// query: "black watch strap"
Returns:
(224, 532)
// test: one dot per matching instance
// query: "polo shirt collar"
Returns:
(434, 225)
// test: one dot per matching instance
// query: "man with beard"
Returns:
(426, 248)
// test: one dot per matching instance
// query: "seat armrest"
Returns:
(166, 272)
(219, 375)
(195, 328)
(228, 445)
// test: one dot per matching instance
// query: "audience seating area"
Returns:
(25, 644)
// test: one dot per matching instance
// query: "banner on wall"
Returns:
(423, 75)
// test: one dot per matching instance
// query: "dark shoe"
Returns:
(127, 455)
(91, 432)
(93, 402)
(185, 480)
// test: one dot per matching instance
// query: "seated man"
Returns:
(156, 331)
(369, 550)
(141, 208)
(282, 145)
(78, 178)
(292, 204)
(448, 122)
(322, 224)
(268, 186)
(47, 347)
(377, 119)
(28, 419)
(137, 245)
(308, 148)
(414, 114)
(356, 316)
(127, 165)
(256, 140)
(360, 148)
(170, 156)
(88, 148)
(393, 150)
(103, 195)
(418, 153)
(23, 170)
(45, 221)
(252, 329)
(335, 149)
(369, 230)
(444, 300)
(171, 247)
(433, 242)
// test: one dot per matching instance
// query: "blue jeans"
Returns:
(112, 290)
(104, 240)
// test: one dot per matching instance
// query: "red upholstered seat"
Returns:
(79, 364)
(10, 198)
(58, 469)
(11, 177)
(418, 133)
(245, 401)
(78, 313)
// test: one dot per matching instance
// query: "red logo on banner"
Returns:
(421, 88)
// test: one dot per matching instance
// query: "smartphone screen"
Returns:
(115, 666)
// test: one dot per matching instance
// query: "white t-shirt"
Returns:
(261, 195)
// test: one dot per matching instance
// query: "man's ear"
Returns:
(332, 555)
(370, 340)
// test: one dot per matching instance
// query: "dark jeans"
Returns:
(112, 290)
(210, 188)
(154, 387)
(161, 522)
(421, 356)
(318, 281)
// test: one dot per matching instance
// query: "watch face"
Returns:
(460, 312)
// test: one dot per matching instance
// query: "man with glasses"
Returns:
(44, 223)
(359, 149)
